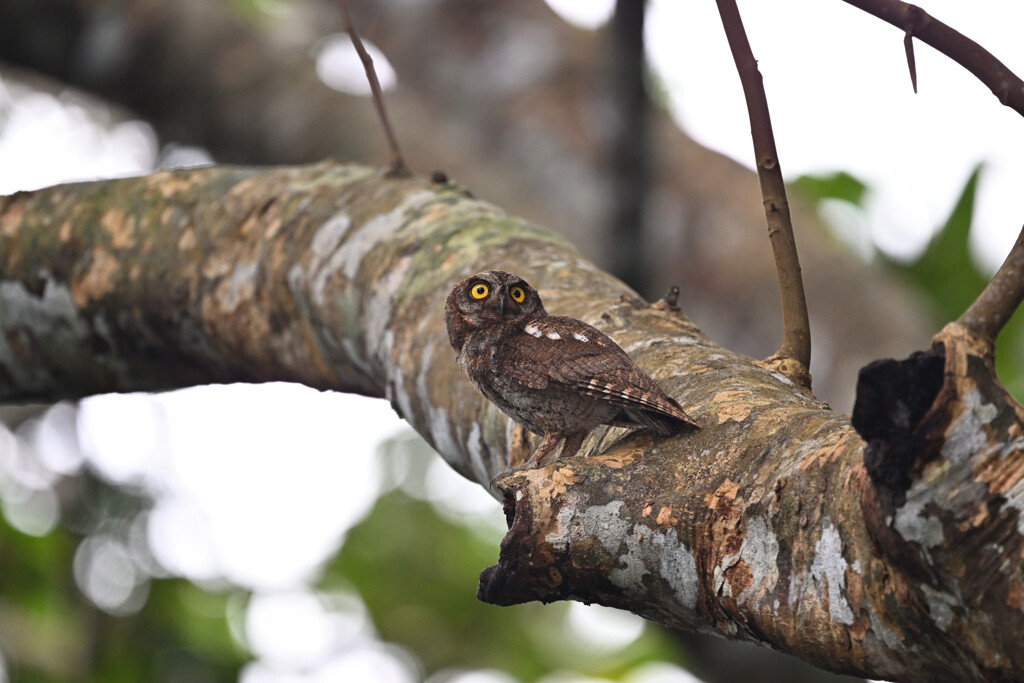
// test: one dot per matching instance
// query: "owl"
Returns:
(554, 375)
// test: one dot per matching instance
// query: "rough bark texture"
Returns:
(766, 525)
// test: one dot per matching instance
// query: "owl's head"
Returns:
(490, 298)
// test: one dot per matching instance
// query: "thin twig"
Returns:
(397, 168)
(998, 301)
(1003, 83)
(796, 341)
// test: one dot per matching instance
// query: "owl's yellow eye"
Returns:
(517, 294)
(479, 290)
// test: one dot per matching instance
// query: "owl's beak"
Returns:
(501, 305)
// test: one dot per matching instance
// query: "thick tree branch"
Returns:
(767, 525)
(794, 356)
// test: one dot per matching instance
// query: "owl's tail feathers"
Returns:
(670, 420)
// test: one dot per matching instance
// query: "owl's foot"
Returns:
(547, 444)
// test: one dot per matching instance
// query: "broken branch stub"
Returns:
(945, 456)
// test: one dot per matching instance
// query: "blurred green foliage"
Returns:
(417, 573)
(414, 567)
(50, 632)
(945, 272)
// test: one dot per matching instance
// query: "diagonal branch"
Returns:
(397, 168)
(796, 340)
(1000, 298)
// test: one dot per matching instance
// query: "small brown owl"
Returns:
(554, 375)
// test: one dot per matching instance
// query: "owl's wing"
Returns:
(572, 353)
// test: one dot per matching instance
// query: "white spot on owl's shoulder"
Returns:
(532, 329)
(581, 337)
(553, 335)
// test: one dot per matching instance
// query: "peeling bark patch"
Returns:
(188, 239)
(829, 567)
(10, 220)
(97, 281)
(119, 227)
(725, 493)
(664, 517)
(561, 478)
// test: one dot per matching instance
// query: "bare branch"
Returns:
(998, 301)
(796, 341)
(1003, 83)
(397, 168)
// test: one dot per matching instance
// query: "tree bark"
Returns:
(777, 523)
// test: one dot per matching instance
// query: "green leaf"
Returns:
(839, 185)
(945, 271)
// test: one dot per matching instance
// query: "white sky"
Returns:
(259, 484)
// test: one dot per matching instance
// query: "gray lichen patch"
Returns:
(826, 574)
(29, 319)
(912, 523)
(642, 552)
(238, 288)
(940, 606)
(965, 436)
(362, 239)
(760, 550)
(829, 567)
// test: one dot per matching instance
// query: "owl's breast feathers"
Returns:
(574, 354)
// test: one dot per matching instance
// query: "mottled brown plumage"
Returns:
(554, 375)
